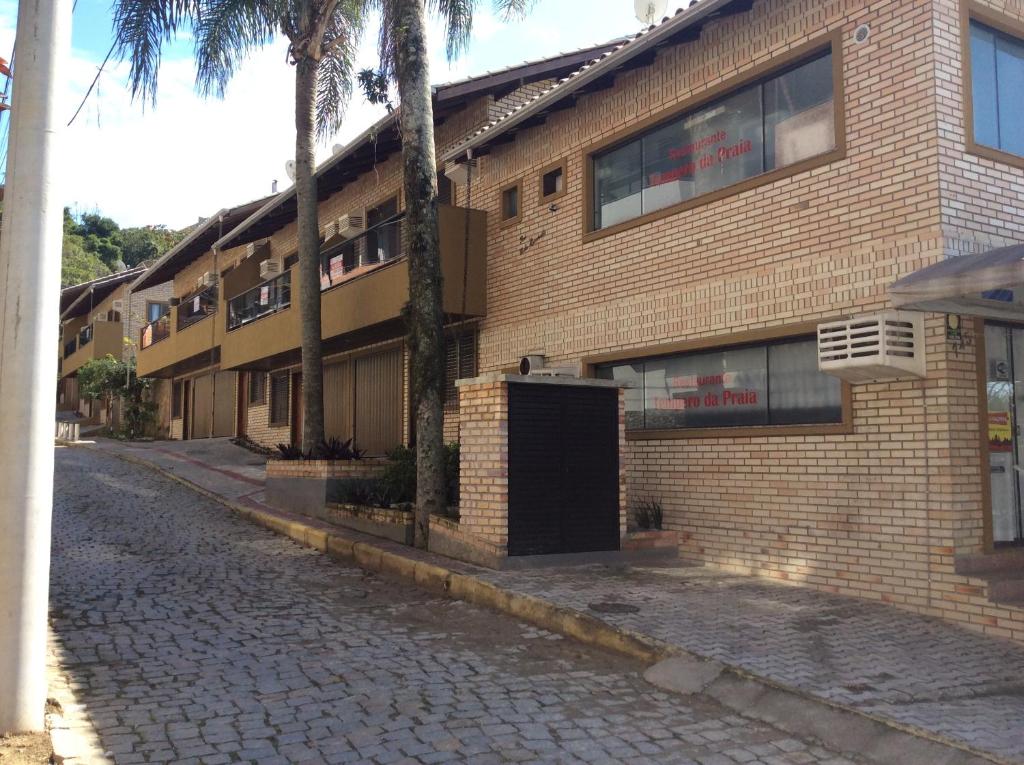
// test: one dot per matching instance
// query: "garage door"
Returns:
(202, 407)
(224, 404)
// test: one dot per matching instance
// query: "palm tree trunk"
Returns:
(426, 336)
(309, 254)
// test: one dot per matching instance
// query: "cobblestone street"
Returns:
(193, 636)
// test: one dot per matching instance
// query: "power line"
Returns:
(94, 81)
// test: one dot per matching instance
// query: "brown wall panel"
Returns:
(378, 427)
(202, 406)
(338, 389)
(224, 413)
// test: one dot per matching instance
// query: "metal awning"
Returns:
(990, 285)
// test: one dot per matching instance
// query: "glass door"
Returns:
(1004, 350)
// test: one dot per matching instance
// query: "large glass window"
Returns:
(997, 87)
(769, 384)
(762, 127)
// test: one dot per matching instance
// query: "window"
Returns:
(552, 182)
(780, 121)
(257, 387)
(197, 307)
(383, 233)
(775, 383)
(176, 400)
(279, 398)
(997, 89)
(510, 204)
(155, 311)
(460, 362)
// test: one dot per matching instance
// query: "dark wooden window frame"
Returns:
(176, 396)
(562, 165)
(972, 11)
(832, 42)
(737, 339)
(257, 383)
(511, 221)
(164, 309)
(279, 378)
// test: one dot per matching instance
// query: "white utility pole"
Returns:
(30, 251)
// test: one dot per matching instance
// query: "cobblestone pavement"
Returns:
(192, 636)
(913, 669)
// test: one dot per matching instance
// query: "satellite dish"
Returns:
(289, 167)
(650, 12)
(337, 148)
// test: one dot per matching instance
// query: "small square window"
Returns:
(510, 203)
(552, 182)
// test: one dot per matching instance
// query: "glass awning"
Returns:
(989, 284)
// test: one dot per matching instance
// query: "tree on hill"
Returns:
(95, 245)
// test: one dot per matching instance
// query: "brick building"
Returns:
(682, 214)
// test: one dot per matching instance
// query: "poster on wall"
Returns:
(1000, 432)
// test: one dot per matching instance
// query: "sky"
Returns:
(189, 156)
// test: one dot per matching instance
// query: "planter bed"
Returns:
(650, 539)
(389, 523)
(307, 486)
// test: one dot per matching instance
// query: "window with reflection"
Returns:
(997, 89)
(775, 383)
(780, 121)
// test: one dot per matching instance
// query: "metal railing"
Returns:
(262, 300)
(381, 244)
(197, 307)
(70, 346)
(155, 331)
(85, 336)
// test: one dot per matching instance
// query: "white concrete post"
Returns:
(30, 252)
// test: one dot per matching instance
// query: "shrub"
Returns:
(334, 449)
(399, 479)
(361, 491)
(647, 515)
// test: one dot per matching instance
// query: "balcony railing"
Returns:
(70, 346)
(262, 300)
(382, 243)
(85, 336)
(197, 307)
(155, 331)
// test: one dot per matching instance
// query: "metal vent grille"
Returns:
(884, 346)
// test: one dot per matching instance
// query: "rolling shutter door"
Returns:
(338, 400)
(378, 404)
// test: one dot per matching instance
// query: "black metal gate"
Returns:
(563, 469)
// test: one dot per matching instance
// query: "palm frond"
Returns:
(512, 9)
(458, 23)
(337, 64)
(226, 31)
(141, 27)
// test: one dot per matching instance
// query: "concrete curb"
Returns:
(838, 726)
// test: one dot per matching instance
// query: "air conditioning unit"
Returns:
(270, 268)
(873, 348)
(117, 305)
(208, 279)
(535, 365)
(458, 172)
(349, 226)
(256, 247)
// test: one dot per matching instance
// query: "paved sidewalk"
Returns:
(915, 671)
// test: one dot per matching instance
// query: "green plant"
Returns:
(110, 378)
(361, 491)
(647, 515)
(399, 477)
(336, 449)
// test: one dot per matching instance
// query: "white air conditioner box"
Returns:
(270, 268)
(208, 279)
(118, 305)
(458, 172)
(873, 348)
(99, 317)
(536, 365)
(349, 226)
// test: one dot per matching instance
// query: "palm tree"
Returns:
(404, 60)
(322, 36)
